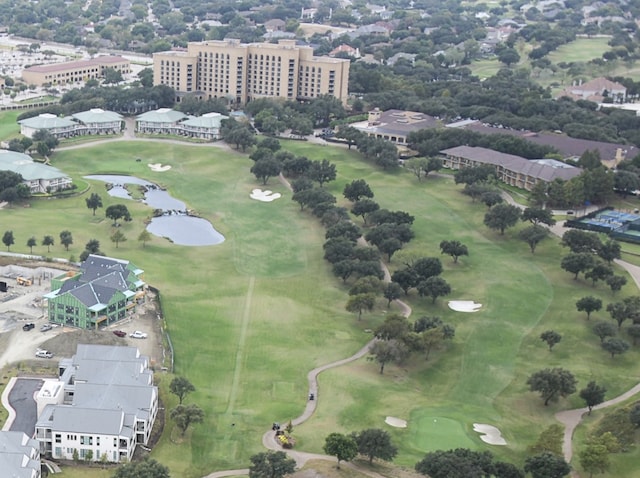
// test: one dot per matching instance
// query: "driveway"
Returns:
(21, 399)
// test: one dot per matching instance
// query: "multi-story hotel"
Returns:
(242, 72)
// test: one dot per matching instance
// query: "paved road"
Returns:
(21, 399)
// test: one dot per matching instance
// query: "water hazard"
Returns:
(175, 224)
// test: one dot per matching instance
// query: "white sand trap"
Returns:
(264, 196)
(464, 305)
(489, 434)
(396, 422)
(158, 167)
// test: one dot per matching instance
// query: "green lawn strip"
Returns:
(8, 127)
(581, 49)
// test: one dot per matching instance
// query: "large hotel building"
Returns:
(242, 72)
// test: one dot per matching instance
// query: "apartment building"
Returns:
(101, 407)
(74, 71)
(242, 72)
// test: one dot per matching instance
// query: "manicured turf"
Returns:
(581, 49)
(251, 316)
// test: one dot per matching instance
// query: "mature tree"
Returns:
(66, 239)
(117, 237)
(392, 291)
(363, 207)
(474, 174)
(453, 248)
(8, 239)
(615, 282)
(417, 166)
(406, 279)
(577, 262)
(270, 464)
(634, 332)
(434, 287)
(147, 468)
(610, 250)
(32, 241)
(551, 337)
(390, 246)
(604, 330)
(180, 387)
(634, 415)
(345, 229)
(313, 197)
(550, 440)
(433, 336)
(117, 211)
(350, 134)
(594, 458)
(270, 143)
(338, 249)
(322, 171)
(615, 346)
(264, 169)
(532, 235)
(144, 237)
(343, 447)
(48, 241)
(592, 394)
(491, 198)
(344, 269)
(395, 326)
(581, 241)
(375, 443)
(538, 216)
(94, 202)
(589, 304)
(360, 302)
(551, 383)
(599, 271)
(366, 285)
(458, 463)
(502, 216)
(261, 154)
(186, 415)
(92, 246)
(618, 311)
(426, 267)
(240, 135)
(546, 465)
(386, 351)
(356, 190)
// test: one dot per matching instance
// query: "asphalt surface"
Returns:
(21, 399)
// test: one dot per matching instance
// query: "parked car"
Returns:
(28, 327)
(120, 333)
(46, 327)
(44, 354)
(138, 335)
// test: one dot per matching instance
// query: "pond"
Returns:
(174, 224)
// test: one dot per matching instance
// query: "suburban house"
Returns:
(510, 169)
(104, 290)
(101, 407)
(395, 125)
(93, 122)
(596, 90)
(168, 121)
(19, 455)
(75, 71)
(38, 177)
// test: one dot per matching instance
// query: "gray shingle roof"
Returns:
(47, 121)
(29, 170)
(539, 170)
(74, 419)
(97, 115)
(162, 115)
(131, 399)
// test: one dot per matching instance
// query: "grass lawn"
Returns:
(485, 68)
(580, 50)
(250, 317)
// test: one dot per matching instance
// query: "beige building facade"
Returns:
(241, 72)
(74, 71)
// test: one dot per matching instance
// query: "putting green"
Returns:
(428, 432)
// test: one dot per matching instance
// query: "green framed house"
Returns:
(104, 290)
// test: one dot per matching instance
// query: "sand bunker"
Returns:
(464, 305)
(396, 422)
(489, 434)
(158, 167)
(264, 196)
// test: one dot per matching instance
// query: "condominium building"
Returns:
(241, 72)
(75, 71)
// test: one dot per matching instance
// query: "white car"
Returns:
(138, 335)
(43, 354)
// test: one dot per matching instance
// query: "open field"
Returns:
(249, 317)
(580, 50)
